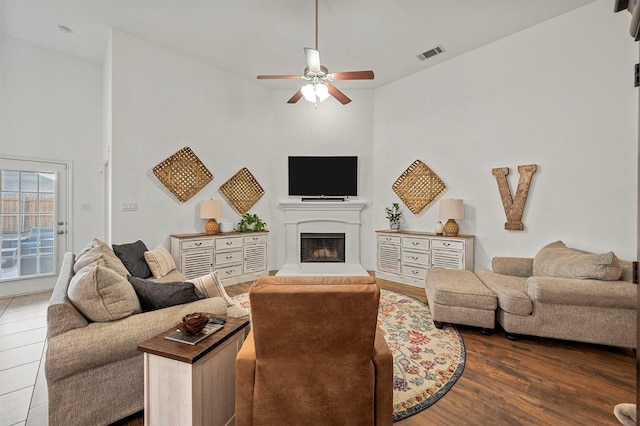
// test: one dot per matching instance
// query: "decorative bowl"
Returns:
(193, 323)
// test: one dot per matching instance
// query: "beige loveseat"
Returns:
(566, 294)
(93, 368)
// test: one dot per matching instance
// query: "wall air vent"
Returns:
(429, 53)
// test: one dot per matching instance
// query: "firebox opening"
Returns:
(322, 247)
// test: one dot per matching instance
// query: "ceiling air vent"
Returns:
(429, 53)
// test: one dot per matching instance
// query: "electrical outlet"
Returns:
(85, 206)
(129, 206)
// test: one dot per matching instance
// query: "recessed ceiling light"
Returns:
(64, 29)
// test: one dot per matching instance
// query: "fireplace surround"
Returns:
(333, 218)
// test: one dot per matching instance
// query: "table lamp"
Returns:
(211, 209)
(451, 209)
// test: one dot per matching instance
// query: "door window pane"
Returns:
(27, 210)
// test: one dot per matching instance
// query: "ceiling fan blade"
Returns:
(313, 59)
(296, 97)
(352, 75)
(279, 77)
(336, 93)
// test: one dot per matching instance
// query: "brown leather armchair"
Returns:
(315, 355)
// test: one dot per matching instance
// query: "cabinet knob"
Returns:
(446, 244)
(414, 272)
(229, 243)
(255, 238)
(415, 243)
(198, 244)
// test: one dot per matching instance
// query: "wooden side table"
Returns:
(192, 384)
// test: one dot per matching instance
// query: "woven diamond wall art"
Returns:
(242, 190)
(183, 174)
(418, 187)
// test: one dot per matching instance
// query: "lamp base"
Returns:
(211, 227)
(450, 229)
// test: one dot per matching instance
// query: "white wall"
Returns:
(559, 95)
(162, 101)
(51, 109)
(330, 129)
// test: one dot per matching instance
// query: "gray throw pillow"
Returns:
(153, 295)
(132, 255)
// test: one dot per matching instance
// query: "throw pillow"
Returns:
(160, 261)
(210, 286)
(154, 296)
(101, 294)
(558, 260)
(99, 250)
(132, 255)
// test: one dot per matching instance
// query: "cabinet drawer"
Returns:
(255, 239)
(191, 244)
(448, 244)
(223, 258)
(416, 258)
(229, 271)
(414, 272)
(389, 239)
(415, 243)
(227, 243)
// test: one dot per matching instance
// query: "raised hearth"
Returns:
(330, 219)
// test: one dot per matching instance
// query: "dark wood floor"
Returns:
(531, 381)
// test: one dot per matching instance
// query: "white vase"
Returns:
(439, 228)
(394, 225)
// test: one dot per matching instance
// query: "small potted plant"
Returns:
(393, 214)
(251, 223)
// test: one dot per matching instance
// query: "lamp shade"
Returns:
(451, 209)
(210, 209)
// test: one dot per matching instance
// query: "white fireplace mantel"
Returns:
(322, 217)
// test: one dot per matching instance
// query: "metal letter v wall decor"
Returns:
(514, 207)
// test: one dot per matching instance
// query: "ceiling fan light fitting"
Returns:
(309, 92)
(322, 91)
(315, 92)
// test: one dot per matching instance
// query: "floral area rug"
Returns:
(426, 361)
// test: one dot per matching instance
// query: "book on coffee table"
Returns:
(192, 339)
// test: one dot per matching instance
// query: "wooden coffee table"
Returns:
(192, 384)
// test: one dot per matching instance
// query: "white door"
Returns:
(33, 210)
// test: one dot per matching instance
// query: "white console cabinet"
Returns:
(405, 256)
(237, 256)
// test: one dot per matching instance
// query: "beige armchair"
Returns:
(315, 355)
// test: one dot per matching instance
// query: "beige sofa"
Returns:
(93, 368)
(566, 294)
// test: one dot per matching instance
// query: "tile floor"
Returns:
(23, 387)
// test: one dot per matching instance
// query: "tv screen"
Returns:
(323, 176)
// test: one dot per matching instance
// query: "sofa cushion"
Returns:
(154, 295)
(580, 292)
(511, 291)
(99, 250)
(132, 255)
(210, 286)
(160, 261)
(101, 294)
(558, 260)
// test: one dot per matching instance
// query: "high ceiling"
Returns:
(250, 37)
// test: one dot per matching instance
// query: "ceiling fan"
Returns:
(319, 78)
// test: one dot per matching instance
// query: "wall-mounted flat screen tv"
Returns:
(323, 176)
